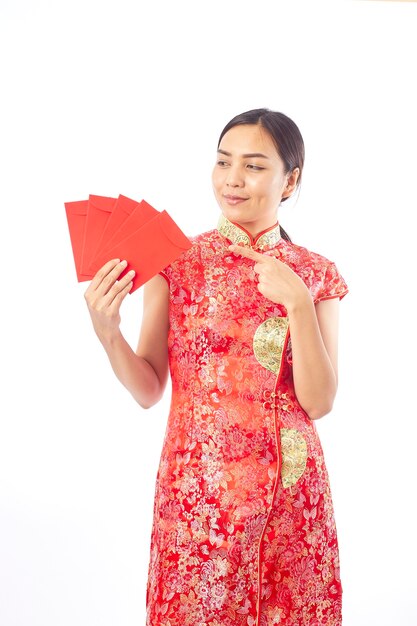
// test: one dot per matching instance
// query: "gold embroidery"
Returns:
(269, 341)
(268, 240)
(232, 232)
(294, 456)
(237, 235)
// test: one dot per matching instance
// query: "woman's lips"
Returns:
(233, 200)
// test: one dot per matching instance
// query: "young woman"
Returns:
(246, 322)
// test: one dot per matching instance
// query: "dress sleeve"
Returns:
(164, 274)
(333, 284)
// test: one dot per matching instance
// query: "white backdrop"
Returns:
(129, 97)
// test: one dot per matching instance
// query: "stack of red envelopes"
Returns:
(103, 228)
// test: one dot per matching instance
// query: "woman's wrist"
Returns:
(303, 302)
(110, 338)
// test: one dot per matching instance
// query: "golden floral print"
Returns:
(243, 529)
(269, 341)
(293, 456)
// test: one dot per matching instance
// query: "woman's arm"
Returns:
(313, 331)
(144, 372)
(314, 334)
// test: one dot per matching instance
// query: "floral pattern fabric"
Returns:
(243, 529)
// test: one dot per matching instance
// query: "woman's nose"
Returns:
(234, 178)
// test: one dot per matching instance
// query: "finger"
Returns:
(100, 274)
(248, 253)
(117, 288)
(107, 275)
(120, 296)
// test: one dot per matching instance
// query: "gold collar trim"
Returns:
(236, 234)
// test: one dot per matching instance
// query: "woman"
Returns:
(246, 321)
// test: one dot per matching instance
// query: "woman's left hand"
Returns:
(276, 281)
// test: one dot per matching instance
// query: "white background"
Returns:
(130, 97)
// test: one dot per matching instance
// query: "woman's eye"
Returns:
(256, 168)
(222, 163)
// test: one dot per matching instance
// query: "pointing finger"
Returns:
(248, 253)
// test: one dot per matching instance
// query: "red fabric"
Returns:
(243, 530)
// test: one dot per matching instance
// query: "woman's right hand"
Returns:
(104, 296)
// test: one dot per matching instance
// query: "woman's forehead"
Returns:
(248, 139)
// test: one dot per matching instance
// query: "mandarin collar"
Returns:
(236, 234)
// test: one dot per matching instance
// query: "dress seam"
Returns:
(274, 491)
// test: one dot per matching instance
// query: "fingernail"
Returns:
(124, 263)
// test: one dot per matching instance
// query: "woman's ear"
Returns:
(292, 180)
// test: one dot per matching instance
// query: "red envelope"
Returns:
(123, 208)
(151, 248)
(98, 213)
(76, 217)
(141, 214)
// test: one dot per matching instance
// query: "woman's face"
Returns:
(249, 180)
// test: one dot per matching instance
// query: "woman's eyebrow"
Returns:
(250, 155)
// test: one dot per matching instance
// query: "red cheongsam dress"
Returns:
(243, 528)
